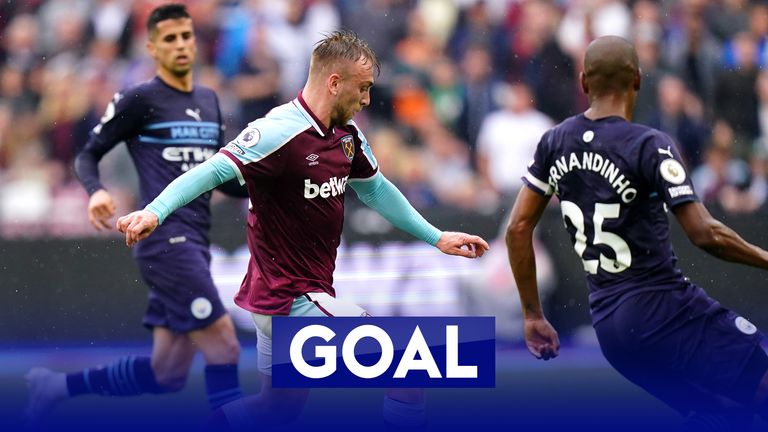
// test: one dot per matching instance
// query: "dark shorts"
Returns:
(684, 348)
(182, 296)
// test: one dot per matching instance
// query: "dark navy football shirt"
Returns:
(615, 181)
(167, 132)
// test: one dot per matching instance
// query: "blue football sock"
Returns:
(222, 384)
(128, 376)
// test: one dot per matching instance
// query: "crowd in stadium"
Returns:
(467, 87)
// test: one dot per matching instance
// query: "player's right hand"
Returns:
(100, 209)
(541, 338)
(137, 226)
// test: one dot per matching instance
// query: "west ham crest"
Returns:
(348, 145)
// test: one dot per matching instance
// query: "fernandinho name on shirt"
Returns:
(589, 161)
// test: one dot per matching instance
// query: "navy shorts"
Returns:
(684, 348)
(182, 296)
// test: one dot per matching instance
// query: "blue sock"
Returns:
(128, 376)
(402, 415)
(222, 384)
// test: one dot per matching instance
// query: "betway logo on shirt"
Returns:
(334, 186)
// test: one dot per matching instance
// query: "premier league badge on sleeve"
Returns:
(348, 145)
(672, 171)
(249, 137)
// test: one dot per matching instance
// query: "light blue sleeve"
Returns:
(381, 195)
(188, 186)
(266, 135)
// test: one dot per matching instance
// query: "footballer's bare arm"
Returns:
(540, 337)
(716, 238)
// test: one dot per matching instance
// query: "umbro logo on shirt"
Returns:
(313, 159)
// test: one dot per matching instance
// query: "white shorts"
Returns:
(308, 305)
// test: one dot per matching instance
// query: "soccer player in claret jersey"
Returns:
(616, 181)
(297, 163)
(169, 125)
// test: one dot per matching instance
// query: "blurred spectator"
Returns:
(647, 97)
(256, 82)
(551, 73)
(68, 45)
(63, 115)
(758, 189)
(758, 30)
(693, 53)
(735, 100)
(379, 22)
(402, 166)
(761, 89)
(205, 14)
(417, 50)
(293, 27)
(442, 19)
(449, 173)
(25, 190)
(679, 114)
(21, 47)
(478, 92)
(719, 169)
(535, 23)
(10, 9)
(728, 19)
(585, 20)
(415, 54)
(445, 92)
(507, 141)
(111, 21)
(15, 89)
(61, 26)
(476, 27)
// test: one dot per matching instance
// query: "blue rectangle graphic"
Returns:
(383, 352)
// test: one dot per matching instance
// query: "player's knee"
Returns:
(169, 379)
(231, 349)
(220, 343)
(224, 350)
(171, 383)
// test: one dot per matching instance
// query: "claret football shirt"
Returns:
(296, 172)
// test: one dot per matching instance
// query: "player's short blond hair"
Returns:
(341, 46)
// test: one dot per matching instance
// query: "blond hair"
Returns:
(341, 45)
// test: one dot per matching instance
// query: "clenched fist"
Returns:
(137, 226)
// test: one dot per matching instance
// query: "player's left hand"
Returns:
(137, 226)
(461, 244)
(541, 339)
